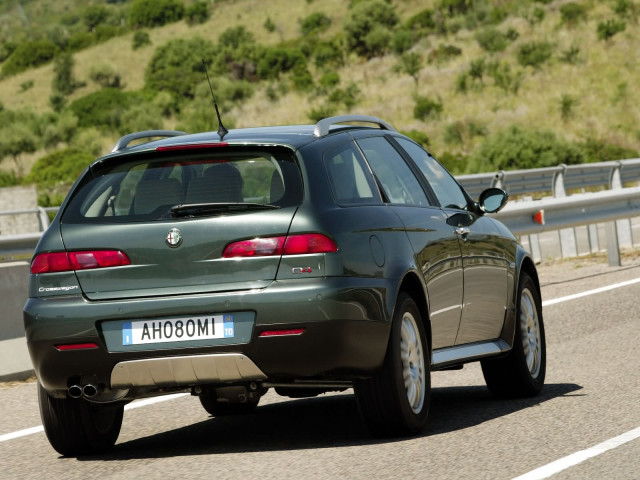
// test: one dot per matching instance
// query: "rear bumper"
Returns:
(345, 321)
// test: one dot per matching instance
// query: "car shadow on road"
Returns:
(322, 422)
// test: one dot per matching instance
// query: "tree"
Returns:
(16, 139)
(367, 25)
(411, 64)
(63, 80)
(155, 13)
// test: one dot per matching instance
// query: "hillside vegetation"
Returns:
(483, 84)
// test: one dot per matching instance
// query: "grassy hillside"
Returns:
(585, 91)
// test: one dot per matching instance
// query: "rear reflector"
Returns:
(190, 146)
(68, 261)
(290, 245)
(77, 346)
(281, 333)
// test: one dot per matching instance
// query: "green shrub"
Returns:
(492, 40)
(144, 116)
(29, 54)
(314, 23)
(301, 77)
(534, 54)
(567, 106)
(570, 55)
(456, 163)
(367, 28)
(155, 13)
(105, 32)
(402, 40)
(426, 107)
(328, 54)
(348, 96)
(197, 13)
(476, 69)
(596, 150)
(94, 15)
(456, 7)
(24, 86)
(80, 41)
(63, 80)
(411, 64)
(57, 101)
(62, 166)
(504, 78)
(103, 108)
(606, 29)
(462, 132)
(422, 21)
(8, 179)
(323, 111)
(462, 82)
(277, 60)
(517, 148)
(329, 79)
(176, 67)
(571, 13)
(140, 39)
(444, 53)
(105, 76)
(269, 26)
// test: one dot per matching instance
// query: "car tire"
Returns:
(395, 402)
(76, 427)
(209, 401)
(522, 371)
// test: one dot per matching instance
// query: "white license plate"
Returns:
(177, 329)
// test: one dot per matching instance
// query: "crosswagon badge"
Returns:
(174, 238)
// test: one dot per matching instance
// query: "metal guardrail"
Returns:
(561, 213)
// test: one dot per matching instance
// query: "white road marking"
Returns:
(574, 459)
(130, 406)
(613, 286)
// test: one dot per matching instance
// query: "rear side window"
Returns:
(399, 183)
(349, 176)
(146, 186)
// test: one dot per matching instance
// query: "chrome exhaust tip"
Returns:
(75, 391)
(90, 390)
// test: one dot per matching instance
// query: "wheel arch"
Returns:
(413, 286)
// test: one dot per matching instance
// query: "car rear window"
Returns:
(146, 186)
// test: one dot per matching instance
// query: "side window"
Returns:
(398, 181)
(444, 186)
(350, 179)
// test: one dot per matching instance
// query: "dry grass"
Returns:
(602, 82)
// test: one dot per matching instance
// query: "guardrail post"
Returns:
(625, 237)
(613, 252)
(43, 218)
(567, 236)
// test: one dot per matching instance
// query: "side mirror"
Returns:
(492, 200)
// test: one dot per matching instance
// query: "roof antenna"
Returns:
(221, 130)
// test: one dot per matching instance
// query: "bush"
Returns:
(104, 107)
(29, 54)
(62, 166)
(422, 21)
(411, 64)
(277, 60)
(328, 54)
(8, 179)
(517, 148)
(105, 76)
(176, 67)
(269, 26)
(462, 132)
(567, 105)
(144, 116)
(140, 39)
(444, 53)
(329, 80)
(63, 79)
(348, 96)
(94, 15)
(570, 55)
(155, 13)
(80, 41)
(426, 107)
(492, 40)
(504, 78)
(571, 13)
(324, 111)
(596, 150)
(534, 54)
(197, 13)
(606, 29)
(314, 23)
(402, 40)
(368, 25)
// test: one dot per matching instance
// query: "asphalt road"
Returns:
(592, 395)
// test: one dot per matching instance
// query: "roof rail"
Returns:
(323, 126)
(127, 139)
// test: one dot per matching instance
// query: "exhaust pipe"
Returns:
(90, 391)
(75, 391)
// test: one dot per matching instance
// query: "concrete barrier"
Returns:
(15, 363)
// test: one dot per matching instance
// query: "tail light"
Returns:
(69, 261)
(284, 245)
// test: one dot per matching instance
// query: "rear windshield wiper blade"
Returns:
(198, 209)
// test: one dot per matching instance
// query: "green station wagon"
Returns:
(306, 259)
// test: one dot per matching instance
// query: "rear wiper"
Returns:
(204, 209)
